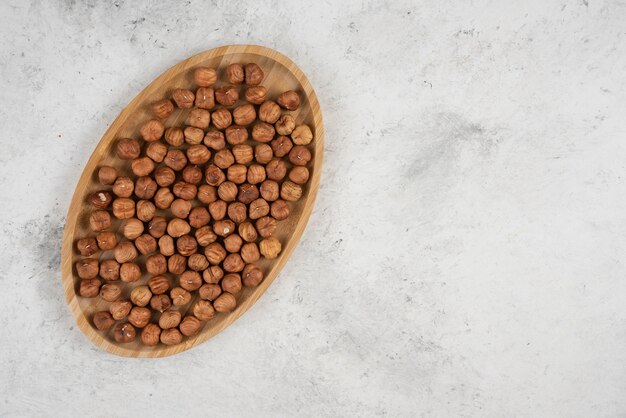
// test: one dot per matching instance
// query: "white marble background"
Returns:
(465, 254)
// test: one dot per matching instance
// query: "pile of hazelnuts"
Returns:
(197, 208)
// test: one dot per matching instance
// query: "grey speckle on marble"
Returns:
(464, 257)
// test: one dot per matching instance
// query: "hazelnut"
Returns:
(224, 227)
(128, 148)
(87, 268)
(89, 288)
(203, 310)
(103, 320)
(106, 240)
(160, 303)
(215, 253)
(169, 319)
(183, 98)
(145, 210)
(227, 95)
(214, 139)
(198, 154)
(192, 174)
(123, 208)
(252, 276)
(180, 208)
(302, 135)
(111, 292)
(276, 170)
(236, 134)
(224, 158)
(156, 227)
(174, 136)
(125, 252)
(180, 296)
(130, 272)
(124, 333)
(158, 285)
(263, 132)
(171, 336)
(175, 159)
(166, 245)
(233, 263)
(213, 175)
(258, 209)
(120, 309)
(269, 190)
(266, 226)
(162, 108)
(205, 77)
(156, 264)
(190, 325)
(123, 187)
(256, 94)
(193, 135)
(107, 175)
(152, 130)
(237, 173)
(254, 74)
(139, 316)
(281, 146)
(270, 248)
(222, 118)
(289, 100)
(186, 245)
(190, 280)
(227, 191)
(250, 252)
(163, 198)
(197, 262)
(237, 211)
(199, 118)
(101, 199)
(285, 125)
(164, 176)
(205, 235)
(232, 283)
(225, 303)
(145, 188)
(247, 232)
(244, 114)
(151, 335)
(256, 174)
(217, 209)
(141, 295)
(87, 246)
(133, 228)
(100, 220)
(198, 217)
(299, 155)
(243, 153)
(205, 98)
(176, 264)
(234, 73)
(110, 270)
(263, 153)
(269, 112)
(247, 193)
(213, 274)
(232, 243)
(299, 175)
(290, 191)
(185, 190)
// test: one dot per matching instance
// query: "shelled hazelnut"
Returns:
(205, 98)
(225, 303)
(141, 295)
(285, 125)
(162, 108)
(189, 326)
(204, 76)
(235, 73)
(289, 100)
(184, 98)
(214, 139)
(101, 199)
(203, 310)
(110, 292)
(130, 272)
(152, 130)
(151, 335)
(128, 148)
(107, 175)
(256, 94)
(254, 74)
(103, 320)
(280, 210)
(269, 112)
(227, 95)
(171, 336)
(270, 248)
(174, 136)
(120, 309)
(124, 333)
(99, 220)
(160, 303)
(222, 118)
(106, 240)
(110, 270)
(87, 246)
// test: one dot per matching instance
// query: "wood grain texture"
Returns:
(281, 74)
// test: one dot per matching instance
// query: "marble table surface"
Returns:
(464, 257)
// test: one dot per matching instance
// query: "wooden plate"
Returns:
(281, 74)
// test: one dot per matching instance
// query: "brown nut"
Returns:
(176, 264)
(107, 175)
(103, 320)
(180, 296)
(214, 139)
(185, 191)
(174, 136)
(224, 227)
(141, 295)
(128, 148)
(111, 292)
(139, 317)
(269, 190)
(198, 217)
(160, 303)
(263, 153)
(225, 303)
(123, 187)
(145, 188)
(87, 268)
(124, 333)
(299, 175)
(243, 153)
(163, 198)
(250, 252)
(252, 276)
(101, 199)
(276, 170)
(159, 285)
(156, 264)
(270, 248)
(162, 108)
(223, 159)
(235, 74)
(156, 227)
(236, 173)
(227, 191)
(123, 208)
(146, 244)
(190, 325)
(130, 272)
(254, 74)
(132, 228)
(190, 280)
(244, 114)
(214, 175)
(110, 270)
(205, 235)
(166, 245)
(269, 112)
(217, 209)
(145, 210)
(164, 176)
(263, 132)
(256, 174)
(256, 94)
(258, 209)
(213, 274)
(152, 130)
(285, 125)
(204, 76)
(198, 154)
(215, 253)
(175, 159)
(233, 263)
(289, 100)
(236, 134)
(290, 191)
(281, 146)
(222, 118)
(184, 98)
(180, 208)
(106, 240)
(302, 135)
(120, 309)
(171, 336)
(169, 319)
(198, 118)
(87, 246)
(193, 135)
(266, 226)
(203, 310)
(125, 252)
(100, 220)
(247, 193)
(227, 95)
(247, 232)
(186, 245)
(197, 262)
(232, 243)
(151, 335)
(299, 155)
(89, 288)
(237, 212)
(192, 174)
(205, 98)
(232, 283)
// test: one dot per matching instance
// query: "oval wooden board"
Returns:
(281, 74)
